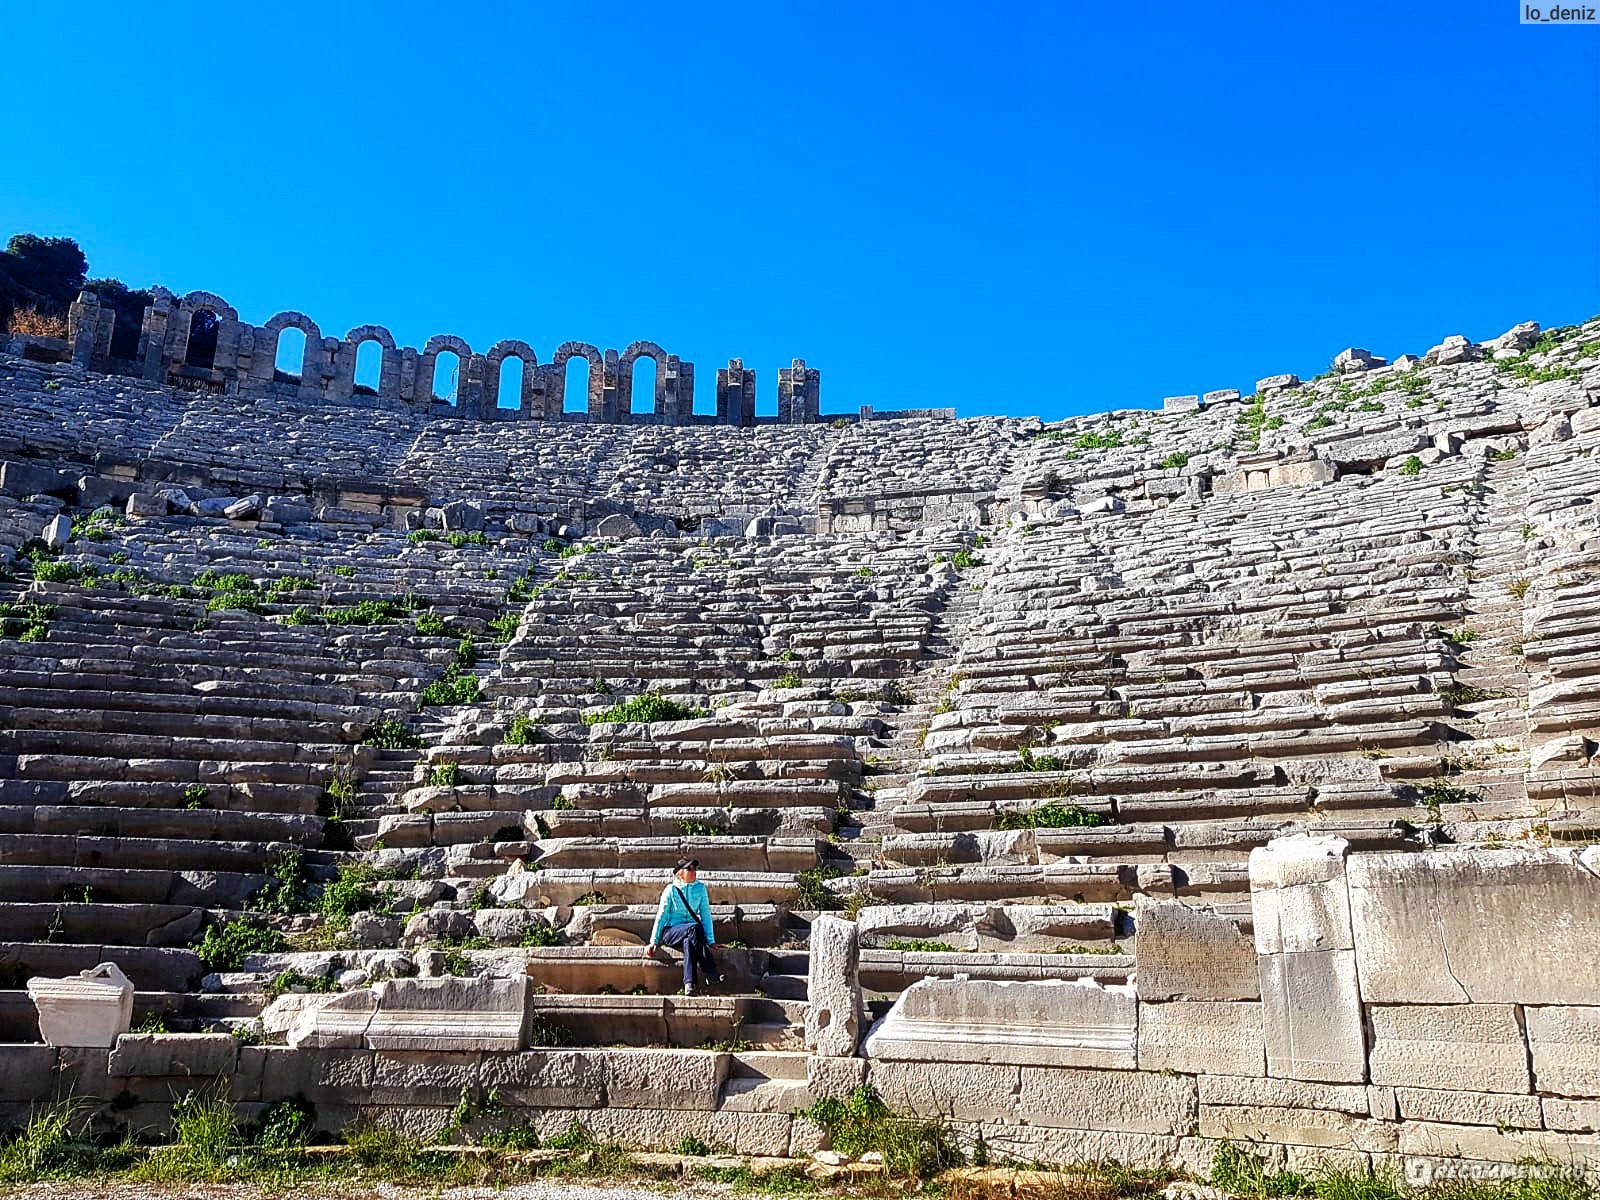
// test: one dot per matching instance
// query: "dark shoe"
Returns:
(689, 989)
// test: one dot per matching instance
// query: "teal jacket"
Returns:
(673, 911)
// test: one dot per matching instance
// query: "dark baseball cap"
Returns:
(686, 862)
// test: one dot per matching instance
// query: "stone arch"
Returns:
(344, 384)
(438, 344)
(556, 395)
(625, 361)
(266, 358)
(496, 359)
(182, 325)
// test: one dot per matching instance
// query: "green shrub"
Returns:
(452, 688)
(391, 735)
(1241, 1174)
(1052, 816)
(789, 679)
(445, 774)
(350, 893)
(523, 730)
(418, 536)
(1108, 439)
(224, 947)
(1175, 460)
(811, 894)
(651, 706)
(288, 1123)
(539, 935)
(504, 627)
(1411, 466)
(430, 625)
(912, 1147)
(919, 946)
(962, 559)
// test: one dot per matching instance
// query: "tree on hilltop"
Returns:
(42, 273)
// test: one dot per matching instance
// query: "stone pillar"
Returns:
(153, 357)
(736, 394)
(603, 391)
(799, 394)
(675, 390)
(89, 326)
(833, 1016)
(1305, 947)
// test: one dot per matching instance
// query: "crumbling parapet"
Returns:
(243, 359)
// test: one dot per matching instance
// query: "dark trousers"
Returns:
(690, 937)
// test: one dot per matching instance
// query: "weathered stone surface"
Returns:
(158, 1054)
(1472, 1047)
(1565, 1046)
(975, 1091)
(1311, 1009)
(1125, 1101)
(1209, 1037)
(687, 1079)
(1187, 953)
(1444, 928)
(1078, 1023)
(1469, 1108)
(833, 1016)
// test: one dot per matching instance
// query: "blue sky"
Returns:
(1019, 208)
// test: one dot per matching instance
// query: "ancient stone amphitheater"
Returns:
(1114, 787)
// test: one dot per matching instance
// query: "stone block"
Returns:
(91, 1008)
(460, 516)
(57, 531)
(1310, 1004)
(427, 1077)
(1245, 1092)
(165, 1054)
(1298, 1127)
(1514, 926)
(546, 1078)
(1565, 1045)
(1487, 1143)
(27, 1073)
(1469, 1108)
(334, 1077)
(1188, 953)
(1302, 473)
(1180, 403)
(1221, 396)
(1572, 1116)
(450, 1013)
(684, 1079)
(1124, 1101)
(1053, 1023)
(144, 504)
(964, 1091)
(1277, 383)
(833, 1016)
(1462, 1047)
(340, 1023)
(1211, 1037)
(617, 526)
(834, 1077)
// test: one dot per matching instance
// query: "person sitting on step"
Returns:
(683, 922)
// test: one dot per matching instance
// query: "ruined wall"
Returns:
(236, 358)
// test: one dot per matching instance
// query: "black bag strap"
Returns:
(686, 903)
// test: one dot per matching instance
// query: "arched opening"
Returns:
(291, 356)
(512, 370)
(369, 367)
(644, 385)
(203, 329)
(576, 396)
(446, 377)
